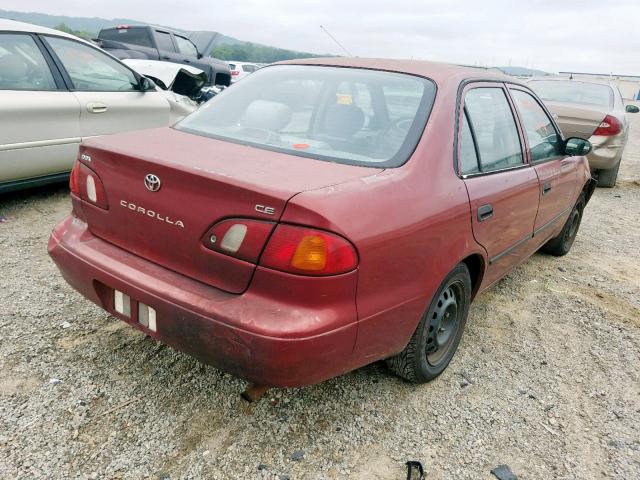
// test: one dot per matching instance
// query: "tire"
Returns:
(608, 178)
(438, 334)
(561, 244)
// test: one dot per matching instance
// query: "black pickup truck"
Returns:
(158, 43)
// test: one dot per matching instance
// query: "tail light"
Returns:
(86, 184)
(235, 73)
(238, 237)
(74, 180)
(609, 126)
(306, 251)
(292, 249)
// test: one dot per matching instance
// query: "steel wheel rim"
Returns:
(573, 228)
(444, 324)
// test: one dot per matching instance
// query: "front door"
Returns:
(556, 172)
(502, 186)
(107, 90)
(39, 117)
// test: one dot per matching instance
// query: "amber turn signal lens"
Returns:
(310, 254)
(307, 251)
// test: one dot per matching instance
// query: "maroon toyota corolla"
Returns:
(321, 215)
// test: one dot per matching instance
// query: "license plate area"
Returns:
(124, 305)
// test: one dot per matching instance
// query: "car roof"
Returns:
(12, 25)
(434, 70)
(571, 80)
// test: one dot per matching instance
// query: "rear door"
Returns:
(107, 90)
(556, 171)
(502, 186)
(39, 117)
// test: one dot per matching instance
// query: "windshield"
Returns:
(346, 115)
(574, 92)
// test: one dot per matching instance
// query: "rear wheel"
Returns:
(561, 244)
(608, 178)
(438, 334)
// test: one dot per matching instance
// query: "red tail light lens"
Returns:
(609, 126)
(90, 187)
(238, 237)
(235, 73)
(74, 184)
(306, 251)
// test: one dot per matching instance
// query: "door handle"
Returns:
(485, 212)
(546, 188)
(166, 57)
(96, 107)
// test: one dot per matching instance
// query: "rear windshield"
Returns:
(345, 115)
(135, 36)
(573, 92)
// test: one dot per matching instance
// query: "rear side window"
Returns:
(22, 66)
(185, 46)
(249, 68)
(164, 41)
(544, 141)
(326, 113)
(494, 127)
(135, 36)
(468, 154)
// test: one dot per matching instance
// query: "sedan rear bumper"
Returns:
(287, 341)
(606, 152)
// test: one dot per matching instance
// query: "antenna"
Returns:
(337, 42)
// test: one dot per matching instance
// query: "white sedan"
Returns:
(55, 90)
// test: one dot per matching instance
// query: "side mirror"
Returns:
(577, 147)
(146, 85)
(632, 109)
(200, 56)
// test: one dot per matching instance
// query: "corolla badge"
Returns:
(152, 182)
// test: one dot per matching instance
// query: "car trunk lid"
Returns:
(576, 120)
(202, 181)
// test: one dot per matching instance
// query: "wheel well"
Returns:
(475, 264)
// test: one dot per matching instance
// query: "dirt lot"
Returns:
(546, 379)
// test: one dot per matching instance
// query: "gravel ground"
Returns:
(546, 379)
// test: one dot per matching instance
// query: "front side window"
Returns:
(22, 66)
(494, 127)
(544, 141)
(91, 70)
(186, 47)
(164, 41)
(327, 113)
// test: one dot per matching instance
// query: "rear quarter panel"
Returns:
(411, 225)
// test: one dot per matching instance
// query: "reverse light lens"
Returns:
(306, 251)
(232, 240)
(609, 126)
(91, 189)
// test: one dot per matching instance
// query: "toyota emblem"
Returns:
(152, 182)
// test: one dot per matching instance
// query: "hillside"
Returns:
(225, 47)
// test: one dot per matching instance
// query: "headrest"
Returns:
(12, 67)
(344, 120)
(266, 115)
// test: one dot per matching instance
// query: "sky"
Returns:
(559, 35)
